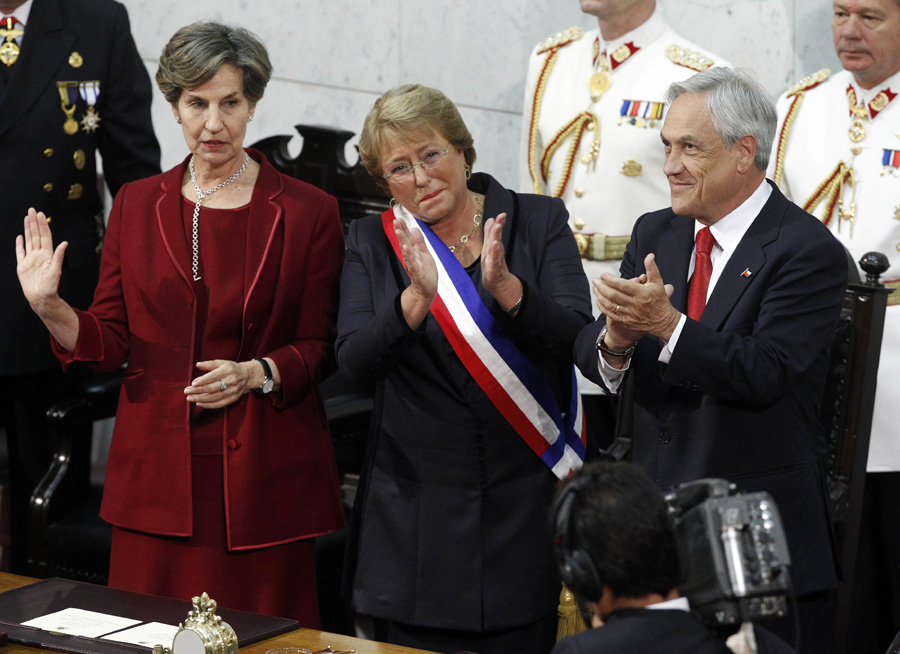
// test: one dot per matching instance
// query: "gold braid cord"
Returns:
(575, 127)
(536, 102)
(798, 90)
(783, 136)
(550, 46)
(829, 190)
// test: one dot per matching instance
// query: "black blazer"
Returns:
(452, 515)
(740, 396)
(55, 172)
(634, 631)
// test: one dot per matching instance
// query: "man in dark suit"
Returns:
(616, 550)
(731, 390)
(71, 85)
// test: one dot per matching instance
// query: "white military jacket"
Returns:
(830, 159)
(604, 157)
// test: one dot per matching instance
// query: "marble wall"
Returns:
(333, 58)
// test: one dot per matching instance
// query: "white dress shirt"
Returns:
(728, 232)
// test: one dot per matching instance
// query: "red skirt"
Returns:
(278, 580)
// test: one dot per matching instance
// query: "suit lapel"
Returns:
(171, 227)
(674, 257)
(265, 241)
(748, 260)
(45, 47)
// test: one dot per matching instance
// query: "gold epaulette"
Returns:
(688, 58)
(809, 81)
(560, 39)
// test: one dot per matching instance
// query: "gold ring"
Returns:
(615, 312)
(223, 385)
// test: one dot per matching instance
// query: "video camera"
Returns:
(733, 552)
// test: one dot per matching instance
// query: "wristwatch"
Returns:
(603, 348)
(268, 382)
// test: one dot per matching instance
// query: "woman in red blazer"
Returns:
(218, 289)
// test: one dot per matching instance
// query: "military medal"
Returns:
(75, 60)
(89, 92)
(71, 125)
(9, 50)
(857, 130)
(68, 97)
(599, 84)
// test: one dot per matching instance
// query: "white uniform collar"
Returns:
(892, 82)
(645, 33)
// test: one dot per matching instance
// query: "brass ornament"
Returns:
(897, 212)
(579, 224)
(620, 54)
(75, 191)
(632, 168)
(205, 631)
(599, 84)
(880, 102)
(584, 245)
(48, 188)
(79, 158)
(579, 191)
(9, 52)
(76, 60)
(857, 131)
(48, 153)
(9, 49)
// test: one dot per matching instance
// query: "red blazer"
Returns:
(279, 469)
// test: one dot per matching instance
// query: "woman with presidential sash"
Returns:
(465, 326)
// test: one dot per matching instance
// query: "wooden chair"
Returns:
(847, 414)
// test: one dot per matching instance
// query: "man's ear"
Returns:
(746, 146)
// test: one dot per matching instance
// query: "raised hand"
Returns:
(635, 307)
(505, 287)
(38, 265)
(423, 276)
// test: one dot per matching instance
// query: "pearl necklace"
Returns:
(201, 195)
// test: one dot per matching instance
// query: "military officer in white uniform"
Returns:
(837, 154)
(594, 104)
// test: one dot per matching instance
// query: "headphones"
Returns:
(576, 568)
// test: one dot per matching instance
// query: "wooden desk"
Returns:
(309, 638)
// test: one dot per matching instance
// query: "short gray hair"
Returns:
(197, 51)
(738, 106)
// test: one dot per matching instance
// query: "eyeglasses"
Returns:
(402, 172)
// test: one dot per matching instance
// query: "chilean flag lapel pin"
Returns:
(746, 273)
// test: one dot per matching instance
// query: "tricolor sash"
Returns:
(512, 383)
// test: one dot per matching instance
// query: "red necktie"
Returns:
(699, 283)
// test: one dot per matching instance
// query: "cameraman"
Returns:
(616, 552)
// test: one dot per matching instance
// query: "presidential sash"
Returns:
(512, 383)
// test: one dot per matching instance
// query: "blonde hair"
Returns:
(403, 111)
(197, 51)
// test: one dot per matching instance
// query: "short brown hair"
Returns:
(194, 55)
(411, 108)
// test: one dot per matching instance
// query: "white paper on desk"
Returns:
(78, 622)
(146, 635)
